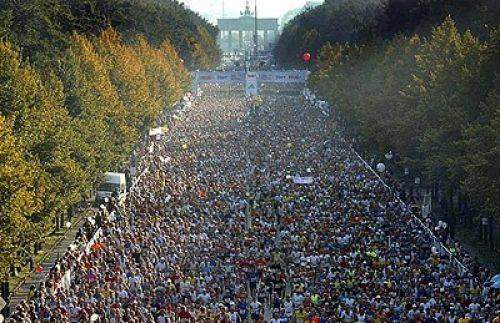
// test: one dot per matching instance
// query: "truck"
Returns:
(114, 185)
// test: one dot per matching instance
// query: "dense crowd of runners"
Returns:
(263, 214)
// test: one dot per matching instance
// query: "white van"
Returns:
(113, 182)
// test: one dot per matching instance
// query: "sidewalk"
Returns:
(21, 291)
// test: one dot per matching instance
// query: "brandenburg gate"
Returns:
(236, 34)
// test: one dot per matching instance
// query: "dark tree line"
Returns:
(80, 81)
(418, 78)
(41, 26)
(362, 22)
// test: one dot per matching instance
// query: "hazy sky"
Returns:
(212, 9)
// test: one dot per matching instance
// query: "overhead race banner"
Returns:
(234, 77)
(299, 76)
(207, 77)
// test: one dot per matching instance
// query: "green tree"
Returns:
(128, 75)
(448, 65)
(434, 102)
(481, 143)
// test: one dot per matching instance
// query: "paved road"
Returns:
(66, 239)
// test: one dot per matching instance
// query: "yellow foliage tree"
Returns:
(165, 88)
(128, 75)
(92, 99)
(43, 130)
(19, 196)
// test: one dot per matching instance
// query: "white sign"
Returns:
(299, 76)
(251, 84)
(303, 180)
(204, 77)
(156, 132)
(66, 280)
(2, 304)
(427, 205)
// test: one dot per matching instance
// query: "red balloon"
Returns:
(307, 57)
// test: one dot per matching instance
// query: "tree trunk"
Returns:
(468, 215)
(491, 242)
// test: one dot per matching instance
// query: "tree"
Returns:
(165, 90)
(75, 95)
(481, 142)
(93, 102)
(42, 124)
(482, 152)
(432, 102)
(44, 28)
(448, 65)
(128, 76)
(19, 195)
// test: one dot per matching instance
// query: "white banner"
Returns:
(299, 76)
(233, 77)
(66, 280)
(204, 77)
(156, 132)
(303, 180)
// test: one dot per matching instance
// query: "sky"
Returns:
(212, 9)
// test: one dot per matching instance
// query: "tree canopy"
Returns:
(362, 22)
(80, 82)
(433, 101)
(40, 26)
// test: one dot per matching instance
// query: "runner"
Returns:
(267, 216)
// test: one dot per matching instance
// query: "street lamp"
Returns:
(405, 188)
(380, 167)
(388, 156)
(417, 185)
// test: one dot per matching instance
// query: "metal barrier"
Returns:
(438, 244)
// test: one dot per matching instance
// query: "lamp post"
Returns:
(417, 185)
(388, 156)
(256, 34)
(380, 167)
(405, 184)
